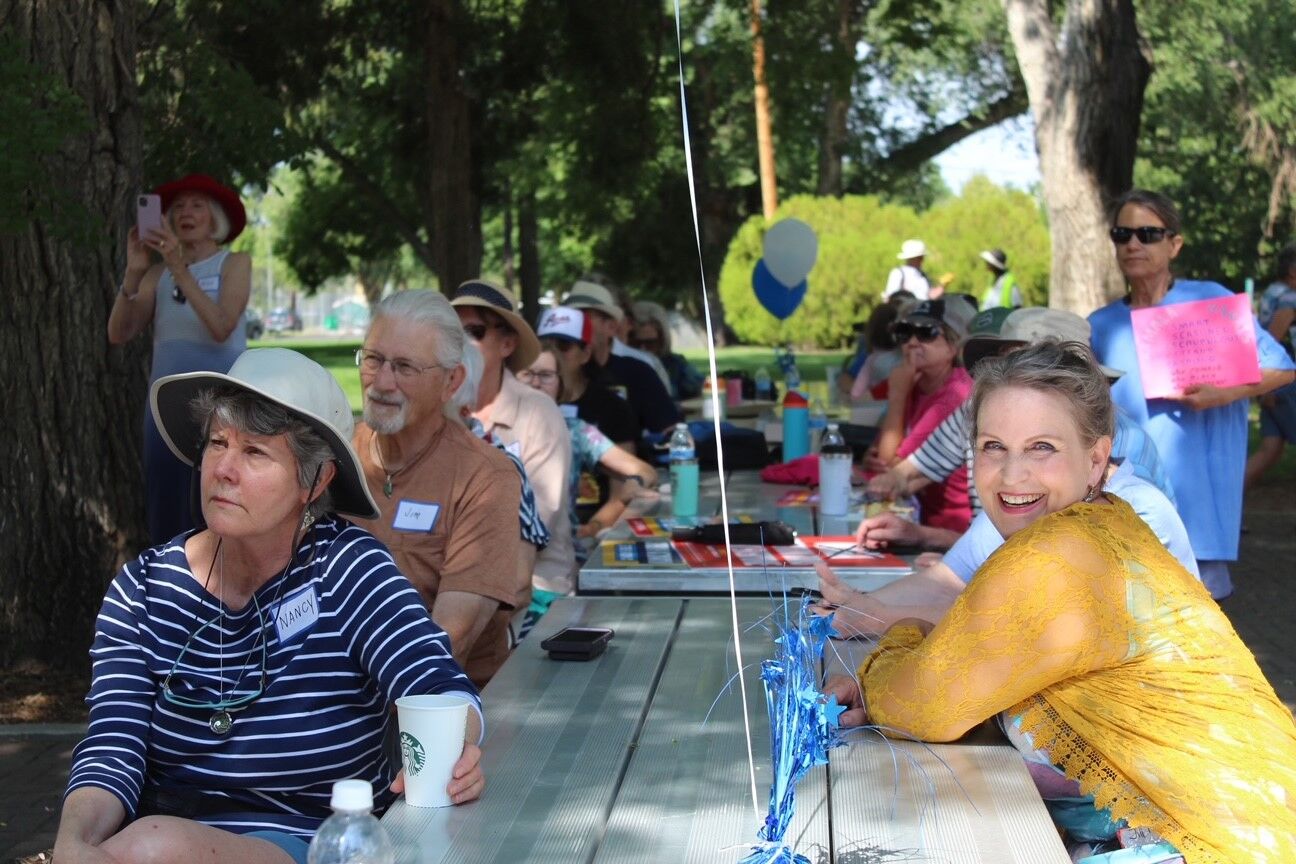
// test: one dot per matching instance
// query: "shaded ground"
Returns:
(34, 759)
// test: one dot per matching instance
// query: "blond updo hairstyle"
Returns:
(1066, 369)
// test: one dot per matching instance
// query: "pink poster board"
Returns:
(1203, 342)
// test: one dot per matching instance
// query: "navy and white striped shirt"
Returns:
(946, 449)
(361, 637)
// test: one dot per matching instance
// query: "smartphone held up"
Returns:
(148, 215)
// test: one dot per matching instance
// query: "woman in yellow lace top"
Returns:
(1107, 659)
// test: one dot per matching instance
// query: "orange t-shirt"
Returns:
(472, 543)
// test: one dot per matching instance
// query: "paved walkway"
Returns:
(34, 759)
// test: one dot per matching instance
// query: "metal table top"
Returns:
(639, 755)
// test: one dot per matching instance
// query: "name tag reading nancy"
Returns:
(416, 515)
(296, 614)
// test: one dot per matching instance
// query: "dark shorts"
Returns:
(294, 846)
(1280, 420)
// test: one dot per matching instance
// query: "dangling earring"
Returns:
(1090, 494)
(308, 519)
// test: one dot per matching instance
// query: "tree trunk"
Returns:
(764, 133)
(1086, 88)
(529, 258)
(72, 488)
(456, 210)
(837, 109)
(506, 254)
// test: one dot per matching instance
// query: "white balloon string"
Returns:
(715, 414)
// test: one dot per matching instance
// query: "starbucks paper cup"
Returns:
(431, 739)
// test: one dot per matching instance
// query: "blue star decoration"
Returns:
(804, 724)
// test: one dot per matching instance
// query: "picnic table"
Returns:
(640, 756)
(655, 570)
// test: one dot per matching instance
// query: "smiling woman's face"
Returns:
(1030, 459)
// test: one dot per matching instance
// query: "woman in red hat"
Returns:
(194, 293)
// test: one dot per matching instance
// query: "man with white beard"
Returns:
(449, 501)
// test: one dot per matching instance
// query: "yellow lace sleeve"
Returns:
(1047, 606)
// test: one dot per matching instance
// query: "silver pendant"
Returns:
(221, 723)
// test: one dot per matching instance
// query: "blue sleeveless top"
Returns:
(181, 343)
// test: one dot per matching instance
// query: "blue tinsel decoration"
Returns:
(803, 725)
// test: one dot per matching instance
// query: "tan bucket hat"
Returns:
(488, 295)
(288, 379)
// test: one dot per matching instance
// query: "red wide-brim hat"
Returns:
(226, 197)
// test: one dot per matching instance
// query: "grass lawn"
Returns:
(338, 356)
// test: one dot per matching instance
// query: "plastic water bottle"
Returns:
(708, 407)
(834, 472)
(352, 835)
(763, 382)
(683, 472)
(818, 414)
(796, 426)
(792, 379)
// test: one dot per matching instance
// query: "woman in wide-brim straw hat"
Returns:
(242, 668)
(194, 292)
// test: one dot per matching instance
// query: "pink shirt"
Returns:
(944, 505)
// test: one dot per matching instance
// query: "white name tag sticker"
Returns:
(296, 614)
(515, 448)
(416, 515)
(569, 411)
(210, 284)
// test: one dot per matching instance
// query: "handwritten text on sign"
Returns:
(1203, 342)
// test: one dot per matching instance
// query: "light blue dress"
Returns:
(1204, 452)
(181, 343)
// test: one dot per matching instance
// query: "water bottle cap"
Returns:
(683, 426)
(352, 795)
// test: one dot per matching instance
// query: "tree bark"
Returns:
(529, 278)
(837, 108)
(1086, 85)
(72, 488)
(456, 209)
(764, 132)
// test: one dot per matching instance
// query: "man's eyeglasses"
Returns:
(652, 343)
(477, 332)
(904, 331)
(372, 362)
(526, 376)
(1146, 234)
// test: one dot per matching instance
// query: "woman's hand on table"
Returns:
(878, 531)
(854, 611)
(888, 484)
(466, 778)
(847, 691)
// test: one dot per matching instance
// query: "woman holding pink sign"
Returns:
(1200, 434)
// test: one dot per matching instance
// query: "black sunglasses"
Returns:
(1146, 234)
(477, 332)
(903, 331)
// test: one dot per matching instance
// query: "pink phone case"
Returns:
(148, 214)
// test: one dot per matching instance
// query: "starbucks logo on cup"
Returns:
(412, 752)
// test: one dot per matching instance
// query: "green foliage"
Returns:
(858, 240)
(41, 114)
(986, 216)
(1219, 117)
(200, 109)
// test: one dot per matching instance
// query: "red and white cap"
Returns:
(564, 322)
